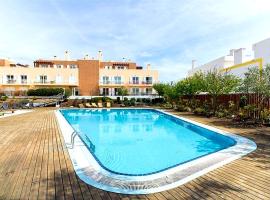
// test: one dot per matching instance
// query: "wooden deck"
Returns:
(34, 164)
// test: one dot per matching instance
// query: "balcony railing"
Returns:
(111, 83)
(41, 82)
(134, 82)
(130, 83)
(147, 82)
(131, 94)
(11, 81)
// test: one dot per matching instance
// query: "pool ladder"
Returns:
(73, 135)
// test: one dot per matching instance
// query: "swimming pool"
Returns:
(143, 147)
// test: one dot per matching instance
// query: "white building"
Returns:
(262, 50)
(239, 60)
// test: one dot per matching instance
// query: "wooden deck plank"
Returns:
(34, 163)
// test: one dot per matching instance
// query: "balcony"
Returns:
(23, 81)
(134, 82)
(55, 83)
(11, 81)
(147, 82)
(111, 83)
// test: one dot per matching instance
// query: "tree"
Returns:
(191, 86)
(216, 84)
(257, 81)
(159, 88)
(171, 94)
(123, 92)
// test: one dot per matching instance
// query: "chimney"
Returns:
(66, 55)
(148, 66)
(193, 64)
(100, 56)
(232, 52)
(86, 57)
(54, 57)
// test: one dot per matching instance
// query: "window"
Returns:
(72, 66)
(117, 79)
(135, 80)
(59, 66)
(105, 80)
(43, 79)
(10, 79)
(23, 79)
(148, 80)
(148, 91)
(58, 79)
(120, 67)
(105, 91)
(43, 66)
(116, 90)
(72, 79)
(135, 91)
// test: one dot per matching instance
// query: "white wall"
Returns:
(242, 55)
(219, 63)
(262, 50)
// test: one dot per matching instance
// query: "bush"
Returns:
(118, 100)
(101, 99)
(146, 100)
(45, 91)
(220, 114)
(126, 102)
(4, 98)
(132, 101)
(158, 100)
(67, 93)
(199, 111)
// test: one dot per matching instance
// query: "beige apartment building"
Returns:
(84, 77)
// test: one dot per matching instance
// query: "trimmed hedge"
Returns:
(45, 91)
(103, 99)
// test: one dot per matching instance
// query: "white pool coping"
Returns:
(90, 171)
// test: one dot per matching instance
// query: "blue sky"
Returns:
(166, 33)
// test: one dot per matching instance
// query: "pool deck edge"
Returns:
(92, 173)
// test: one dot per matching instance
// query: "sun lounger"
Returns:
(108, 104)
(100, 105)
(81, 105)
(88, 105)
(94, 105)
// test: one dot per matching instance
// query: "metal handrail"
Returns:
(73, 135)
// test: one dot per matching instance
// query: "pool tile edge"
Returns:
(90, 172)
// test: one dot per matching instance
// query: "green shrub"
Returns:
(220, 114)
(199, 111)
(167, 105)
(158, 100)
(132, 101)
(67, 93)
(4, 98)
(126, 102)
(101, 99)
(180, 107)
(45, 91)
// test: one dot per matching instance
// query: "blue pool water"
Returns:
(142, 141)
